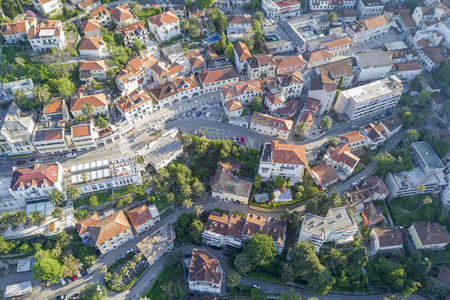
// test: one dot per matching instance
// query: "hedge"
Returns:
(128, 286)
(114, 265)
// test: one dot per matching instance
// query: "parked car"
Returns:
(388, 113)
(199, 114)
(243, 140)
(33, 160)
(129, 251)
(238, 139)
(76, 296)
(74, 278)
(62, 281)
(88, 270)
(354, 127)
(234, 139)
(256, 286)
(68, 279)
(71, 154)
(78, 274)
(61, 297)
(440, 125)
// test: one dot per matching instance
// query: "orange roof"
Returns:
(81, 130)
(408, 66)
(308, 117)
(197, 61)
(341, 154)
(34, 176)
(218, 75)
(270, 121)
(325, 174)
(87, 3)
(240, 88)
(290, 61)
(91, 43)
(97, 100)
(242, 51)
(288, 154)
(317, 55)
(15, 28)
(204, 267)
(312, 104)
(92, 65)
(175, 69)
(233, 105)
(239, 19)
(137, 98)
(53, 134)
(139, 216)
(352, 137)
(121, 13)
(337, 43)
(82, 225)
(276, 99)
(109, 227)
(376, 21)
(99, 11)
(54, 107)
(90, 25)
(190, 53)
(164, 18)
(186, 83)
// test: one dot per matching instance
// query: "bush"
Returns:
(129, 285)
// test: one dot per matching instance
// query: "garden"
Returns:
(124, 273)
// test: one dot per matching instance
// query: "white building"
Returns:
(132, 32)
(369, 99)
(98, 101)
(48, 7)
(164, 26)
(221, 230)
(92, 47)
(372, 65)
(407, 71)
(102, 15)
(50, 140)
(47, 34)
(17, 31)
(336, 5)
(205, 273)
(285, 160)
(422, 15)
(16, 132)
(226, 185)
(84, 136)
(241, 57)
(8, 89)
(136, 74)
(369, 8)
(213, 80)
(32, 183)
(143, 217)
(243, 91)
(338, 227)
(366, 30)
(135, 106)
(281, 9)
(103, 174)
(261, 66)
(270, 125)
(274, 102)
(386, 239)
(432, 58)
(323, 89)
(163, 151)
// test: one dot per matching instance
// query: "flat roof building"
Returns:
(426, 157)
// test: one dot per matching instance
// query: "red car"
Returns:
(243, 140)
(153, 4)
(74, 278)
(239, 139)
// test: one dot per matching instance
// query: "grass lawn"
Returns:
(405, 212)
(155, 292)
(102, 197)
(255, 50)
(438, 256)
(144, 14)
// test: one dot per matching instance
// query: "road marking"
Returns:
(212, 130)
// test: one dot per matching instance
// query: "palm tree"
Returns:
(431, 137)
(132, 265)
(426, 200)
(186, 140)
(136, 8)
(125, 272)
(20, 98)
(5, 219)
(435, 287)
(56, 197)
(103, 269)
(41, 93)
(73, 192)
(412, 135)
(186, 190)
(57, 213)
(84, 175)
(36, 218)
(301, 128)
(107, 276)
(137, 258)
(117, 279)
(187, 203)
(87, 109)
(198, 209)
(332, 17)
(420, 189)
(232, 279)
(20, 217)
(211, 27)
(198, 188)
(242, 263)
(185, 24)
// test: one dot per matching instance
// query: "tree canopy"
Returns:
(260, 249)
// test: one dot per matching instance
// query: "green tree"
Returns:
(125, 200)
(279, 181)
(170, 198)
(256, 103)
(48, 268)
(229, 52)
(420, 189)
(256, 25)
(174, 259)
(287, 273)
(94, 291)
(62, 85)
(233, 279)
(258, 34)
(93, 201)
(135, 8)
(198, 210)
(412, 135)
(385, 162)
(196, 230)
(313, 191)
(56, 197)
(71, 265)
(5, 246)
(423, 98)
(334, 141)
(219, 19)
(425, 201)
(332, 17)
(184, 25)
(407, 119)
(186, 190)
(137, 45)
(325, 123)
(194, 31)
(358, 258)
(444, 72)
(243, 263)
(36, 218)
(415, 83)
(257, 182)
(19, 217)
(186, 140)
(250, 43)
(261, 249)
(41, 93)
(20, 99)
(103, 269)
(57, 213)
(73, 192)
(302, 127)
(211, 28)
(259, 15)
(87, 109)
(204, 3)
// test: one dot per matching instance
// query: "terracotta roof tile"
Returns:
(312, 104)
(135, 99)
(81, 130)
(389, 236)
(82, 225)
(91, 43)
(139, 216)
(99, 11)
(90, 25)
(290, 61)
(204, 267)
(242, 51)
(318, 55)
(376, 21)
(165, 90)
(431, 233)
(15, 28)
(164, 18)
(325, 174)
(444, 276)
(288, 154)
(54, 107)
(408, 66)
(97, 100)
(218, 75)
(121, 13)
(337, 43)
(35, 175)
(239, 19)
(92, 65)
(435, 54)
(109, 227)
(240, 88)
(308, 117)
(233, 105)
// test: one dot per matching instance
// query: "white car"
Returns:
(71, 154)
(63, 281)
(234, 139)
(78, 274)
(256, 286)
(129, 251)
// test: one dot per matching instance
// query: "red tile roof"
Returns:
(81, 130)
(270, 121)
(139, 216)
(288, 154)
(325, 174)
(308, 117)
(290, 61)
(109, 227)
(121, 13)
(352, 137)
(15, 28)
(34, 176)
(92, 65)
(239, 19)
(242, 51)
(82, 225)
(240, 88)
(218, 75)
(444, 276)
(318, 55)
(408, 66)
(164, 18)
(341, 154)
(91, 43)
(90, 25)
(431, 233)
(54, 107)
(312, 104)
(204, 267)
(389, 236)
(135, 99)
(233, 105)
(97, 100)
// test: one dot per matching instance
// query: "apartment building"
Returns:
(338, 70)
(132, 32)
(241, 57)
(429, 235)
(369, 99)
(50, 139)
(429, 173)
(143, 217)
(35, 182)
(102, 15)
(89, 5)
(355, 139)
(324, 89)
(98, 101)
(422, 15)
(432, 58)
(48, 7)
(213, 80)
(386, 239)
(336, 5)
(16, 31)
(281, 10)
(346, 16)
(164, 26)
(205, 273)
(222, 230)
(103, 174)
(136, 74)
(285, 160)
(8, 89)
(121, 15)
(289, 84)
(368, 29)
(274, 102)
(56, 111)
(290, 64)
(243, 91)
(90, 70)
(239, 26)
(47, 34)
(135, 106)
(16, 132)
(338, 227)
(261, 66)
(270, 125)
(341, 158)
(226, 185)
(109, 233)
(84, 136)
(369, 8)
(372, 65)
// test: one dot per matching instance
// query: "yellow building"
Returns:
(427, 235)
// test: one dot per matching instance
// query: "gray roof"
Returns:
(319, 17)
(337, 219)
(173, 50)
(282, 196)
(14, 127)
(315, 43)
(373, 58)
(293, 34)
(165, 148)
(428, 155)
(392, 123)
